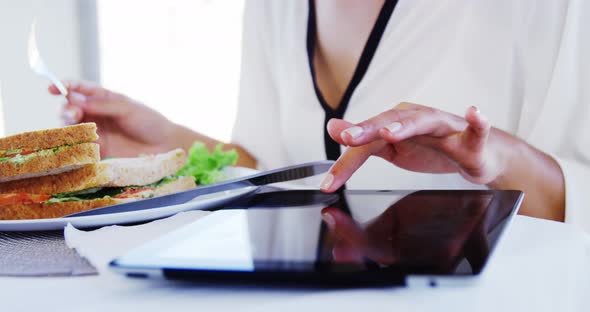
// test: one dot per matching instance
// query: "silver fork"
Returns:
(37, 64)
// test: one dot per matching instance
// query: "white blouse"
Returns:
(520, 62)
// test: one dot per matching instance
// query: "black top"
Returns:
(332, 147)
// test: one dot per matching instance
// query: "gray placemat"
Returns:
(40, 254)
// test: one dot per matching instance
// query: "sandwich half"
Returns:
(46, 152)
(106, 183)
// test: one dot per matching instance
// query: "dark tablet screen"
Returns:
(375, 234)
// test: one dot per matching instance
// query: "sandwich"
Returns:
(105, 183)
(47, 152)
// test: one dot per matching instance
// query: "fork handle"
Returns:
(58, 84)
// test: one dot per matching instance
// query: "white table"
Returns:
(538, 266)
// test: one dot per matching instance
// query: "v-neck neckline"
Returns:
(369, 50)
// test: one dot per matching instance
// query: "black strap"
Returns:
(332, 148)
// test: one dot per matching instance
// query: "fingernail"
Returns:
(327, 182)
(329, 219)
(394, 127)
(69, 117)
(476, 109)
(354, 132)
(78, 98)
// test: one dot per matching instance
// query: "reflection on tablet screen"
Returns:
(424, 232)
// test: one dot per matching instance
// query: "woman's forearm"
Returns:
(538, 175)
(185, 137)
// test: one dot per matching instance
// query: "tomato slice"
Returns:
(132, 191)
(22, 198)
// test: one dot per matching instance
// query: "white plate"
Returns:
(199, 203)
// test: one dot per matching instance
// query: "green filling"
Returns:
(102, 192)
(20, 159)
(165, 180)
(79, 193)
(206, 166)
(89, 194)
(63, 200)
(11, 152)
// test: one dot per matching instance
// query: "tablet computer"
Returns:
(428, 237)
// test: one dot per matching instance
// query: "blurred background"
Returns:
(181, 57)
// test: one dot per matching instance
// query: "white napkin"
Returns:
(101, 246)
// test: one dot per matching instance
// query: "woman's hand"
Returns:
(422, 139)
(126, 127)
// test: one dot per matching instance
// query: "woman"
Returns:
(309, 66)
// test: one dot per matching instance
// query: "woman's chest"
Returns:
(447, 56)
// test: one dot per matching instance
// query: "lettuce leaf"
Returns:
(88, 194)
(206, 166)
(63, 200)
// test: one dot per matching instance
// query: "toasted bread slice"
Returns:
(50, 138)
(143, 170)
(118, 172)
(182, 184)
(63, 159)
(56, 210)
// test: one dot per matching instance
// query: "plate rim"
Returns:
(120, 218)
(127, 217)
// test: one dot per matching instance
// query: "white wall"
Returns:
(193, 77)
(26, 103)
(180, 57)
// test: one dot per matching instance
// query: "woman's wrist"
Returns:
(508, 152)
(177, 136)
(537, 174)
(181, 136)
